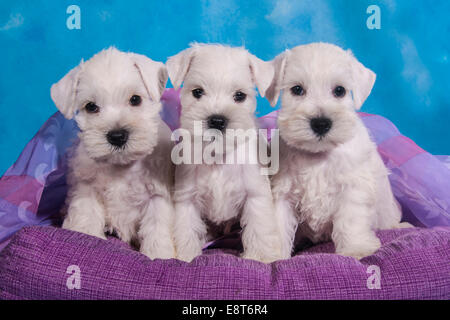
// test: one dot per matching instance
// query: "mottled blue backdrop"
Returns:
(410, 53)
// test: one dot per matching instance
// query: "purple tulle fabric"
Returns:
(33, 190)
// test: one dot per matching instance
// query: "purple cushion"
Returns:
(414, 264)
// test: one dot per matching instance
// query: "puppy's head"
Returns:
(219, 85)
(322, 86)
(115, 99)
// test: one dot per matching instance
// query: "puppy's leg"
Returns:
(352, 233)
(389, 209)
(85, 213)
(261, 237)
(189, 231)
(122, 221)
(126, 231)
(287, 223)
(155, 232)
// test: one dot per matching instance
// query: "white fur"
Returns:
(123, 190)
(336, 186)
(219, 193)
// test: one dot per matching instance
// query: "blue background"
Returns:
(410, 54)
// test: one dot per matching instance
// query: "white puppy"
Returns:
(219, 93)
(332, 181)
(120, 174)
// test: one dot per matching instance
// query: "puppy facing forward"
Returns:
(120, 174)
(331, 182)
(219, 93)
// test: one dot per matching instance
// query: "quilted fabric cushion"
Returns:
(41, 263)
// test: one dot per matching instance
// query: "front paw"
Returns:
(86, 230)
(188, 247)
(404, 225)
(265, 258)
(188, 256)
(361, 248)
(100, 235)
(158, 254)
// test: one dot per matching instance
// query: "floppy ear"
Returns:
(63, 92)
(262, 73)
(153, 74)
(279, 64)
(178, 66)
(363, 79)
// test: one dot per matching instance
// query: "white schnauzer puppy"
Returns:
(219, 93)
(332, 181)
(120, 175)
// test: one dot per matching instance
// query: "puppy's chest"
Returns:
(123, 189)
(220, 192)
(315, 188)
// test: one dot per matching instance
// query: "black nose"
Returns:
(117, 137)
(321, 125)
(218, 122)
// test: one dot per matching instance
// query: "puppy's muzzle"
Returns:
(117, 138)
(218, 122)
(321, 125)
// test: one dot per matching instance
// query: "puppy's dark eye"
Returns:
(198, 93)
(298, 91)
(239, 96)
(135, 100)
(339, 92)
(92, 107)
